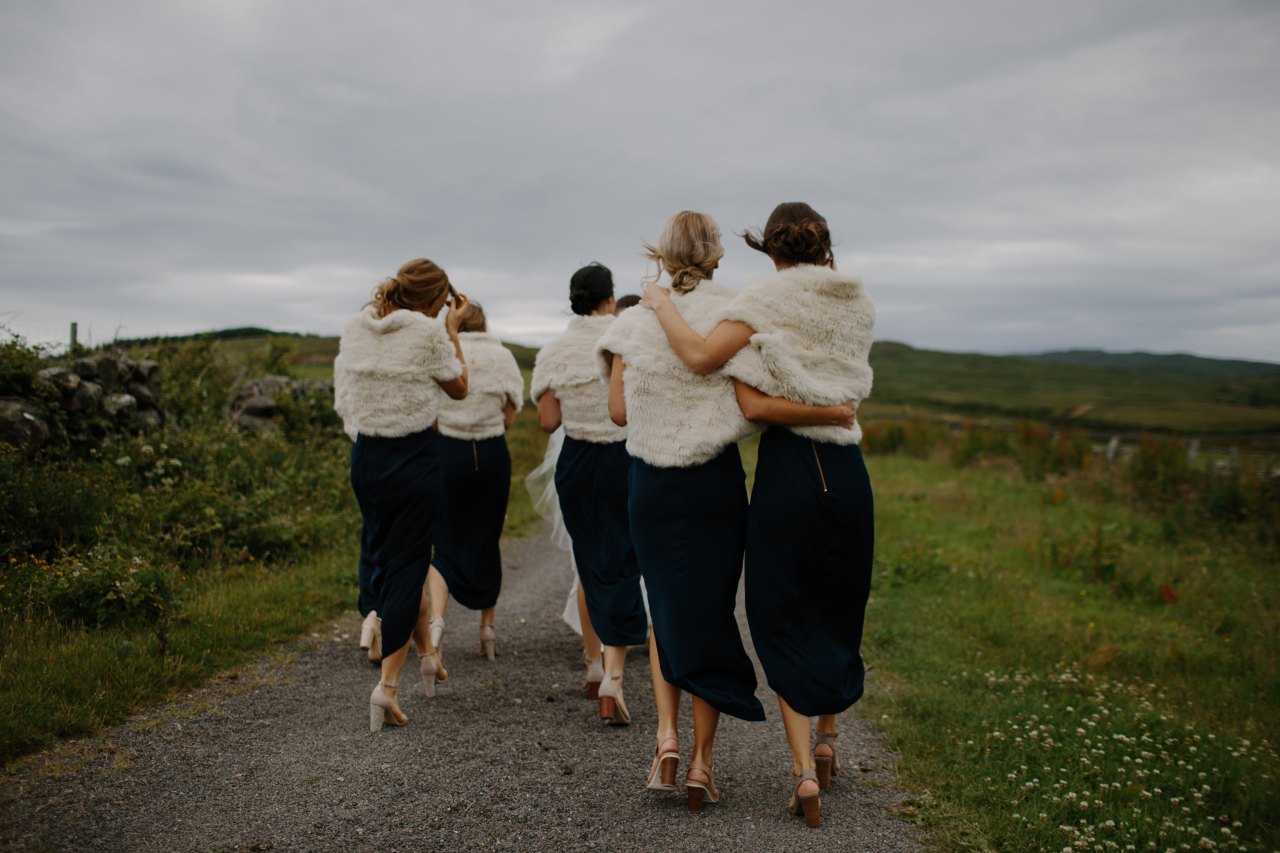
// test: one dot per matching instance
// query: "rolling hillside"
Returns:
(1120, 392)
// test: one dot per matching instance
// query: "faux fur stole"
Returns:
(493, 379)
(639, 337)
(568, 359)
(675, 418)
(491, 368)
(386, 373)
(404, 343)
(813, 333)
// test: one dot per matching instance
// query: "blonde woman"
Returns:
(688, 504)
(805, 334)
(394, 360)
(591, 480)
(476, 468)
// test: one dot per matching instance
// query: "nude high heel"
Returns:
(666, 759)
(431, 668)
(826, 763)
(488, 641)
(700, 790)
(595, 675)
(808, 805)
(382, 708)
(367, 629)
(612, 709)
(371, 637)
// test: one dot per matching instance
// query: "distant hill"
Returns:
(1170, 364)
(1243, 409)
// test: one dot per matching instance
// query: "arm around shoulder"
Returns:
(759, 407)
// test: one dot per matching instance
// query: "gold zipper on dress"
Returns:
(475, 455)
(819, 461)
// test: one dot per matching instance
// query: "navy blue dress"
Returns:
(690, 526)
(397, 484)
(591, 481)
(477, 484)
(809, 551)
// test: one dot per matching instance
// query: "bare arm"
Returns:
(456, 388)
(617, 400)
(761, 408)
(508, 415)
(701, 355)
(548, 411)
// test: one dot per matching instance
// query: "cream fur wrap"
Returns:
(493, 380)
(813, 333)
(385, 378)
(675, 419)
(567, 367)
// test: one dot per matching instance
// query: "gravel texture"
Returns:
(510, 756)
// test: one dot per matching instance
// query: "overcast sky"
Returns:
(1005, 176)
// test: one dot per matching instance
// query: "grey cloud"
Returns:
(994, 162)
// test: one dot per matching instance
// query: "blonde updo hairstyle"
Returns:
(688, 249)
(416, 286)
(795, 234)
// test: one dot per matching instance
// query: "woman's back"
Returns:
(567, 367)
(674, 417)
(494, 382)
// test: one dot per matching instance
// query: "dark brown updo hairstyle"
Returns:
(473, 319)
(588, 287)
(794, 234)
(631, 300)
(417, 286)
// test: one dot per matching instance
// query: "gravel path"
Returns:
(511, 757)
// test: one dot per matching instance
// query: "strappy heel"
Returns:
(595, 675)
(371, 637)
(383, 709)
(431, 668)
(700, 791)
(666, 760)
(826, 765)
(808, 805)
(612, 709)
(488, 641)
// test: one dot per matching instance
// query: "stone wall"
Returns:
(91, 396)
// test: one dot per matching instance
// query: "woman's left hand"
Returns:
(457, 308)
(652, 296)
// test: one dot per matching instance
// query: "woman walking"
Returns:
(394, 359)
(803, 334)
(688, 505)
(591, 480)
(476, 469)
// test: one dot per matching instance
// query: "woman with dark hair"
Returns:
(477, 481)
(688, 503)
(591, 481)
(394, 360)
(803, 335)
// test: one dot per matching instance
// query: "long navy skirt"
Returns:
(689, 526)
(397, 484)
(477, 483)
(591, 481)
(809, 550)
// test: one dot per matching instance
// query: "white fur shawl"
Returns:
(493, 380)
(567, 367)
(385, 376)
(675, 419)
(813, 332)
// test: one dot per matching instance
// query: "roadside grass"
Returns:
(1061, 670)
(67, 681)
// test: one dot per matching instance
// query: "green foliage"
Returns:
(917, 437)
(1057, 673)
(19, 362)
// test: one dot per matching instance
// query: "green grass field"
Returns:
(1224, 411)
